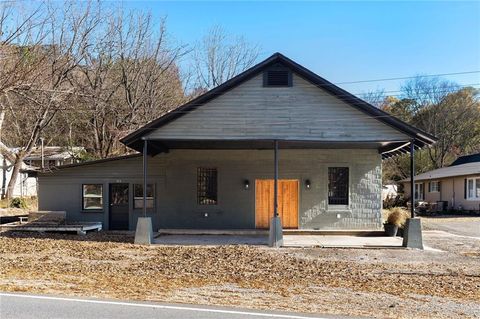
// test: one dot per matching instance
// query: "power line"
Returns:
(408, 77)
(242, 96)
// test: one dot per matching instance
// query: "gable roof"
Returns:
(134, 139)
(449, 171)
(473, 158)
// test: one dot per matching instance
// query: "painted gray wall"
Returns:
(300, 112)
(175, 174)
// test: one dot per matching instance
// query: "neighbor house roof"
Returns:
(449, 171)
(54, 152)
(134, 140)
(467, 159)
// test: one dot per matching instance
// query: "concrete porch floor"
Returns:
(339, 241)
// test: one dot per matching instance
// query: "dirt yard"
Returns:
(393, 283)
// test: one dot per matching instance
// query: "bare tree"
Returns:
(32, 106)
(219, 57)
(129, 78)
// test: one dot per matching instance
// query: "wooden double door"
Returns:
(287, 202)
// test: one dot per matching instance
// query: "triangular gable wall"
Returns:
(300, 112)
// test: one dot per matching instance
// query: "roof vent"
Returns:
(277, 77)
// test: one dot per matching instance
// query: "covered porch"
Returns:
(242, 165)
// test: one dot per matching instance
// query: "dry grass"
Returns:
(229, 275)
(395, 216)
(31, 201)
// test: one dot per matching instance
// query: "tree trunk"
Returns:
(17, 166)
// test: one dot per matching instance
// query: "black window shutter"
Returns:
(465, 189)
(439, 186)
(429, 187)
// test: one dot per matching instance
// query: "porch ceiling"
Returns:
(386, 148)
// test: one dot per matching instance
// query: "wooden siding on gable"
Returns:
(300, 112)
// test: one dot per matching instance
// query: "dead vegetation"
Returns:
(100, 265)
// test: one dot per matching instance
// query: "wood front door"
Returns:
(287, 202)
(118, 203)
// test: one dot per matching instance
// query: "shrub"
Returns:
(18, 202)
(397, 216)
(394, 201)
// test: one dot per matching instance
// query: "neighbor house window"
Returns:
(138, 195)
(92, 196)
(434, 187)
(207, 186)
(473, 188)
(338, 185)
(419, 191)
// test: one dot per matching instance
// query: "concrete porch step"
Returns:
(264, 232)
(353, 232)
(237, 232)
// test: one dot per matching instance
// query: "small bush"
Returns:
(394, 201)
(18, 202)
(397, 216)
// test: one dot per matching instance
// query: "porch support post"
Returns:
(145, 152)
(144, 231)
(412, 179)
(412, 234)
(275, 237)
(275, 180)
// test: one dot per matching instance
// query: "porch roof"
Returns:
(386, 148)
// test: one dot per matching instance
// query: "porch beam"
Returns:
(157, 148)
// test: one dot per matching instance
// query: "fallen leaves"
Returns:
(103, 265)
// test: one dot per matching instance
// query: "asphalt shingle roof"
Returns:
(450, 171)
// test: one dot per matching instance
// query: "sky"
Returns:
(344, 41)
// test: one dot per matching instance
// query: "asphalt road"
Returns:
(21, 306)
(469, 226)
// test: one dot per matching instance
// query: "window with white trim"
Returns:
(473, 188)
(419, 191)
(434, 187)
(92, 197)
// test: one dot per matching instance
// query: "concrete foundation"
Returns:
(412, 235)
(144, 232)
(275, 236)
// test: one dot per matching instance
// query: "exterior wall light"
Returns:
(308, 184)
(246, 184)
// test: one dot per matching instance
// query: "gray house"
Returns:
(211, 163)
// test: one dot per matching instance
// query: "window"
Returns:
(419, 191)
(138, 195)
(473, 188)
(338, 185)
(434, 187)
(207, 186)
(92, 197)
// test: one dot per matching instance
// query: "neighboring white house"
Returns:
(27, 186)
(389, 190)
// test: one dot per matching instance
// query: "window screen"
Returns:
(207, 186)
(338, 185)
